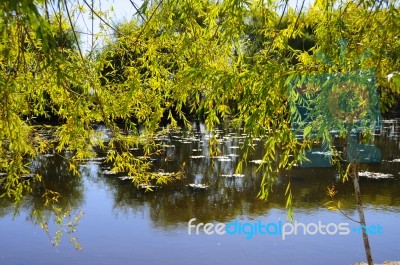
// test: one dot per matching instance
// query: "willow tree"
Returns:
(43, 73)
(201, 55)
(179, 54)
(173, 60)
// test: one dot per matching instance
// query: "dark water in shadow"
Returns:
(124, 225)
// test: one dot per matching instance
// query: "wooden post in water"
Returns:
(354, 165)
(354, 175)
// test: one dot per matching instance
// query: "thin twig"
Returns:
(297, 19)
(73, 30)
(137, 10)
(102, 20)
(348, 217)
(147, 22)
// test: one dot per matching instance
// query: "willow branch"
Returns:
(99, 17)
(137, 10)
(73, 30)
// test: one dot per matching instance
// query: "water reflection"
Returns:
(123, 223)
(57, 178)
(228, 195)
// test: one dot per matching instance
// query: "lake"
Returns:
(125, 225)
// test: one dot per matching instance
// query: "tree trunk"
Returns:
(354, 167)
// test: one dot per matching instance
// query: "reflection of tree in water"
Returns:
(229, 197)
(226, 198)
(57, 178)
(6, 206)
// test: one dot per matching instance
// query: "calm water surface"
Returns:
(123, 225)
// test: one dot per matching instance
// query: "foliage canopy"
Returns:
(176, 60)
